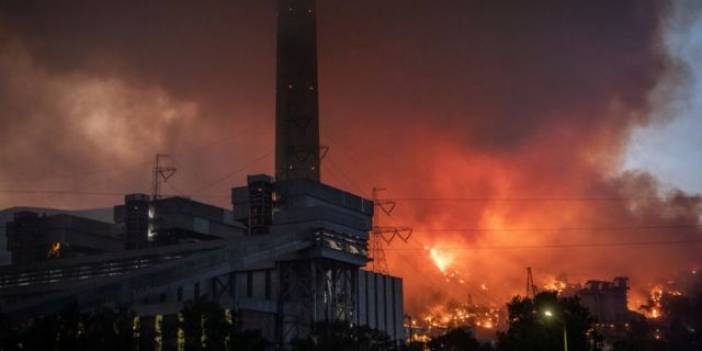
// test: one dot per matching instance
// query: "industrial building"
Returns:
(607, 301)
(172, 220)
(288, 254)
(32, 237)
(8, 215)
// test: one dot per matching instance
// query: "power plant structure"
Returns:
(288, 254)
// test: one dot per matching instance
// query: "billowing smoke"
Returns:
(71, 120)
(499, 127)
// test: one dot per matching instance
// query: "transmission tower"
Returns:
(384, 235)
(161, 174)
(530, 286)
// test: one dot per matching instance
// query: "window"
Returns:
(249, 284)
(268, 285)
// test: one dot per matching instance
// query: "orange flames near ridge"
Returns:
(508, 215)
(441, 259)
(654, 308)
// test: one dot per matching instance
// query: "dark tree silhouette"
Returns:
(413, 346)
(107, 329)
(208, 328)
(682, 321)
(458, 339)
(678, 329)
(531, 330)
(340, 336)
(639, 337)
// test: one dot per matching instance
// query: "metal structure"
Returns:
(161, 174)
(530, 286)
(384, 235)
(297, 107)
(293, 259)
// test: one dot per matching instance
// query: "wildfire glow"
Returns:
(556, 285)
(442, 259)
(443, 317)
(654, 307)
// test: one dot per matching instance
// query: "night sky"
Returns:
(525, 122)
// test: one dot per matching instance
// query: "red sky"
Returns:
(524, 111)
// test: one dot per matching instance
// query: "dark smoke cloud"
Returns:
(478, 99)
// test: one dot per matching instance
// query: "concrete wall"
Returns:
(380, 304)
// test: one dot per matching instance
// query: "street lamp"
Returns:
(550, 315)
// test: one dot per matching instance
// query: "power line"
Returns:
(355, 185)
(557, 229)
(233, 173)
(85, 174)
(560, 246)
(527, 199)
(427, 230)
(63, 192)
(342, 180)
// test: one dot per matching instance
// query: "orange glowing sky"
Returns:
(500, 129)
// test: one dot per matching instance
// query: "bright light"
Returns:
(442, 260)
(548, 313)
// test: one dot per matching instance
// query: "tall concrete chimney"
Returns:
(297, 153)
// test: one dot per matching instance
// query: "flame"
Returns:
(54, 250)
(557, 285)
(442, 260)
(444, 317)
(654, 307)
(654, 310)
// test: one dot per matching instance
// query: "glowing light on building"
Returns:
(54, 250)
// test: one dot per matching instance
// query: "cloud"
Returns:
(431, 99)
(79, 122)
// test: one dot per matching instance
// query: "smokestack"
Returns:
(297, 109)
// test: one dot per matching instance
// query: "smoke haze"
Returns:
(521, 113)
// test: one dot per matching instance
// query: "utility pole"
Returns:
(161, 173)
(530, 286)
(384, 235)
(410, 327)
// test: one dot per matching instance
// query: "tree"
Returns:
(341, 336)
(532, 328)
(413, 346)
(682, 319)
(458, 339)
(208, 327)
(677, 330)
(108, 329)
(639, 337)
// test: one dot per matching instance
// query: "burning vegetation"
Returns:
(496, 176)
(54, 250)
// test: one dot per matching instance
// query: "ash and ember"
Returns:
(500, 129)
